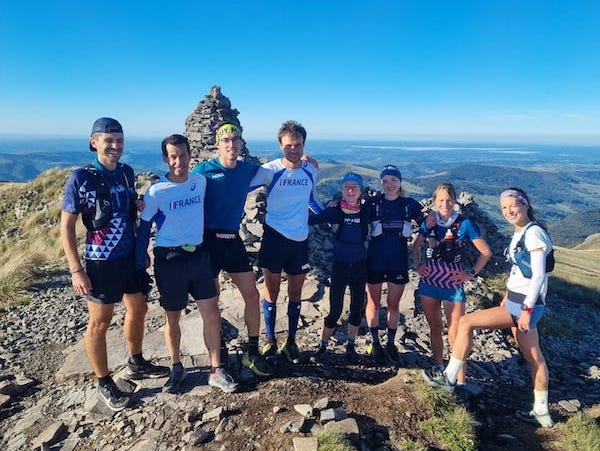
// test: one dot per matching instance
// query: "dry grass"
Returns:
(29, 221)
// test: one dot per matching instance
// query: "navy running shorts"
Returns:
(111, 279)
(178, 277)
(278, 253)
(397, 277)
(227, 252)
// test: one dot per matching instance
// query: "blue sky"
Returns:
(503, 70)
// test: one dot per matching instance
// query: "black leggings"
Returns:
(342, 275)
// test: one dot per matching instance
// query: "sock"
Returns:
(391, 336)
(253, 345)
(293, 317)
(439, 367)
(178, 365)
(136, 359)
(540, 402)
(454, 366)
(351, 341)
(104, 381)
(270, 314)
(374, 334)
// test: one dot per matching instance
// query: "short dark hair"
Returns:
(292, 128)
(175, 140)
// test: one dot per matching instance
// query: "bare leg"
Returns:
(211, 318)
(373, 304)
(454, 311)
(173, 335)
(433, 312)
(530, 348)
(95, 336)
(272, 284)
(246, 283)
(394, 294)
(135, 315)
(295, 283)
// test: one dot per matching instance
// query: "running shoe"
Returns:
(462, 395)
(221, 379)
(392, 353)
(320, 354)
(146, 370)
(377, 353)
(351, 355)
(290, 351)
(269, 350)
(177, 376)
(114, 398)
(437, 379)
(224, 355)
(531, 417)
(257, 364)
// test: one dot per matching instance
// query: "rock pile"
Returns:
(201, 123)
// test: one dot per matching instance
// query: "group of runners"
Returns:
(197, 216)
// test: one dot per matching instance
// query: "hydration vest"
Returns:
(103, 212)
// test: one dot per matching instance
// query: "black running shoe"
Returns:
(114, 398)
(258, 364)
(177, 376)
(392, 353)
(146, 370)
(224, 355)
(529, 416)
(378, 354)
(351, 355)
(290, 351)
(462, 396)
(320, 354)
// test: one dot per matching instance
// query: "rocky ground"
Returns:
(48, 400)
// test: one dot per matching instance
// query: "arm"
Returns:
(485, 253)
(142, 261)
(79, 278)
(416, 252)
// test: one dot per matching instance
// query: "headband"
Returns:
(390, 170)
(517, 195)
(227, 128)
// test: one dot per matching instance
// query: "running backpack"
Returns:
(103, 206)
(522, 257)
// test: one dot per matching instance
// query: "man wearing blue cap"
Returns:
(103, 193)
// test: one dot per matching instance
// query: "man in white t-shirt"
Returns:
(291, 191)
(181, 262)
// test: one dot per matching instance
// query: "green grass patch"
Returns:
(582, 433)
(333, 441)
(450, 424)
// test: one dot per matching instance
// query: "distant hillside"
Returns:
(555, 195)
(575, 228)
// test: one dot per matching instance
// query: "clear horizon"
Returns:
(504, 71)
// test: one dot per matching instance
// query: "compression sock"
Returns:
(253, 345)
(270, 314)
(374, 334)
(391, 336)
(293, 318)
(540, 402)
(454, 366)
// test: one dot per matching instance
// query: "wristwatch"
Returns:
(526, 309)
(472, 272)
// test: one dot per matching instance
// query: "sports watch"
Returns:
(527, 309)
